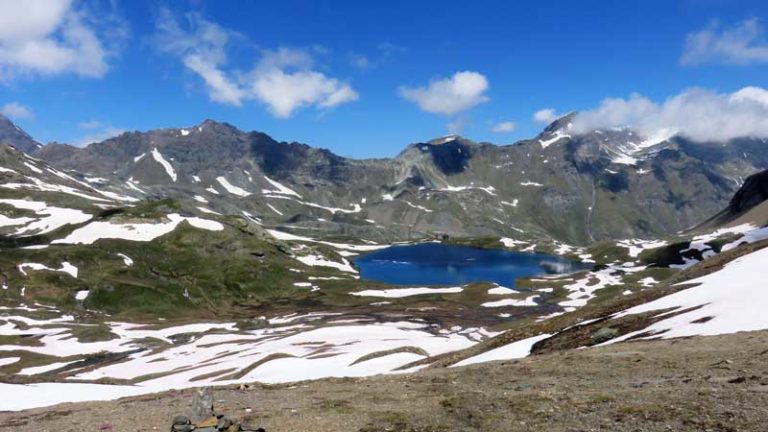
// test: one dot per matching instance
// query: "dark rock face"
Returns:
(12, 135)
(451, 157)
(753, 192)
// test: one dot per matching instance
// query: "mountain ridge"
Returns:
(576, 188)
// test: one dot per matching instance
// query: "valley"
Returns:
(128, 281)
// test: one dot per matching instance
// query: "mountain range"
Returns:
(605, 184)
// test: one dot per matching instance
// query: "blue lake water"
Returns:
(441, 264)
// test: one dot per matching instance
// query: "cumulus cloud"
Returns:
(449, 96)
(504, 127)
(16, 111)
(285, 79)
(48, 37)
(698, 114)
(742, 44)
(545, 116)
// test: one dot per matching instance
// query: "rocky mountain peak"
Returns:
(13, 135)
(561, 124)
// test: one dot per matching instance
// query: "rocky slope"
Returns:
(10, 134)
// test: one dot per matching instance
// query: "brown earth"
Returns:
(715, 383)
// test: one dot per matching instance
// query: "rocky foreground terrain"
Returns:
(713, 383)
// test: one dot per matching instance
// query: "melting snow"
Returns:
(126, 259)
(229, 187)
(726, 301)
(134, 231)
(528, 301)
(167, 165)
(66, 267)
(281, 190)
(406, 292)
(557, 136)
(514, 350)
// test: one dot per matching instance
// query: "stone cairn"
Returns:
(203, 418)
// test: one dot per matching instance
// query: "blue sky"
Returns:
(362, 78)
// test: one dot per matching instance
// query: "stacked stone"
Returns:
(204, 419)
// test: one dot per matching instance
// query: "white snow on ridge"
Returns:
(126, 259)
(514, 350)
(33, 168)
(726, 301)
(281, 235)
(281, 189)
(528, 301)
(418, 207)
(274, 209)
(66, 267)
(406, 292)
(557, 136)
(37, 184)
(134, 231)
(229, 187)
(319, 260)
(490, 190)
(356, 208)
(637, 246)
(511, 204)
(139, 157)
(530, 183)
(158, 157)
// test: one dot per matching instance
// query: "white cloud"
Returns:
(740, 45)
(545, 116)
(47, 37)
(283, 79)
(698, 114)
(503, 127)
(16, 111)
(449, 96)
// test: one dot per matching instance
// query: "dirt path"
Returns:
(717, 383)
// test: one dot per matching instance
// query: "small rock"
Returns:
(208, 422)
(181, 420)
(183, 428)
(224, 423)
(604, 334)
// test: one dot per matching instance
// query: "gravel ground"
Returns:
(716, 383)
